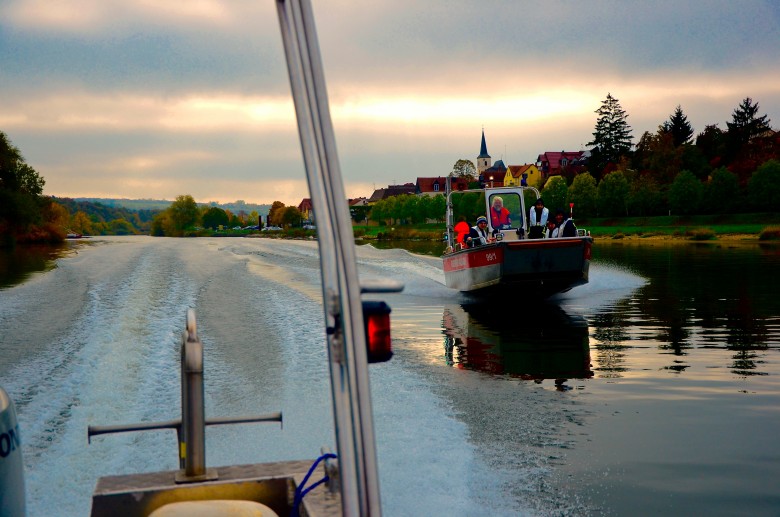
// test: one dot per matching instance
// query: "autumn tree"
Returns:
(161, 224)
(465, 169)
(184, 213)
(611, 137)
(122, 227)
(659, 156)
(55, 219)
(290, 216)
(274, 213)
(81, 223)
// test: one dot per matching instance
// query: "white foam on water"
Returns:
(106, 367)
(421, 275)
(116, 360)
(607, 285)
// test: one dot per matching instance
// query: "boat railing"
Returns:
(191, 428)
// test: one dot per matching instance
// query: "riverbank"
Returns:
(715, 232)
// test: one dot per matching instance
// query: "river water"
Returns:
(653, 389)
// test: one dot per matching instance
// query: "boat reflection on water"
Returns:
(540, 343)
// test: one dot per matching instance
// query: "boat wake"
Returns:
(608, 285)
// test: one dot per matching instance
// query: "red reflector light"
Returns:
(587, 252)
(376, 317)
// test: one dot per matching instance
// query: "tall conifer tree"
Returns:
(612, 135)
(679, 127)
(745, 124)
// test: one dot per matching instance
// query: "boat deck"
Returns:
(272, 484)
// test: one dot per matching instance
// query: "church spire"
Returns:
(483, 160)
(483, 148)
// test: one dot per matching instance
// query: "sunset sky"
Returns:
(152, 99)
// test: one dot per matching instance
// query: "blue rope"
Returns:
(300, 492)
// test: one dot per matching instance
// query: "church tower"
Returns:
(483, 160)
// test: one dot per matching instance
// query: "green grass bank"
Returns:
(760, 226)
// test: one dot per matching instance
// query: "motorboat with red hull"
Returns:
(512, 260)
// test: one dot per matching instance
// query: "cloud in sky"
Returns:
(152, 99)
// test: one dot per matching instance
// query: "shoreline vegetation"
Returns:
(757, 227)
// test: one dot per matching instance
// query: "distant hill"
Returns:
(161, 204)
(132, 204)
(104, 212)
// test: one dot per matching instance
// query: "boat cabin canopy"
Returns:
(506, 209)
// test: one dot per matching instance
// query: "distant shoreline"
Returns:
(731, 238)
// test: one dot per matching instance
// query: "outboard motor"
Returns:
(12, 501)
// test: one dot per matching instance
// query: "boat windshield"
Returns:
(505, 211)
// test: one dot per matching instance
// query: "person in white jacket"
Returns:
(539, 214)
(537, 220)
(551, 231)
(564, 227)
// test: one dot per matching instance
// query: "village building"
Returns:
(438, 185)
(306, 209)
(494, 175)
(527, 175)
(392, 190)
(359, 201)
(553, 163)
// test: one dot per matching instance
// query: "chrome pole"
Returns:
(340, 283)
(193, 405)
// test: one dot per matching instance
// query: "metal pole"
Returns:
(193, 405)
(340, 283)
(448, 213)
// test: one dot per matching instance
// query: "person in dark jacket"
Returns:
(478, 233)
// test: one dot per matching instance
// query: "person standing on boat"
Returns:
(478, 234)
(538, 220)
(499, 215)
(564, 225)
(461, 230)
